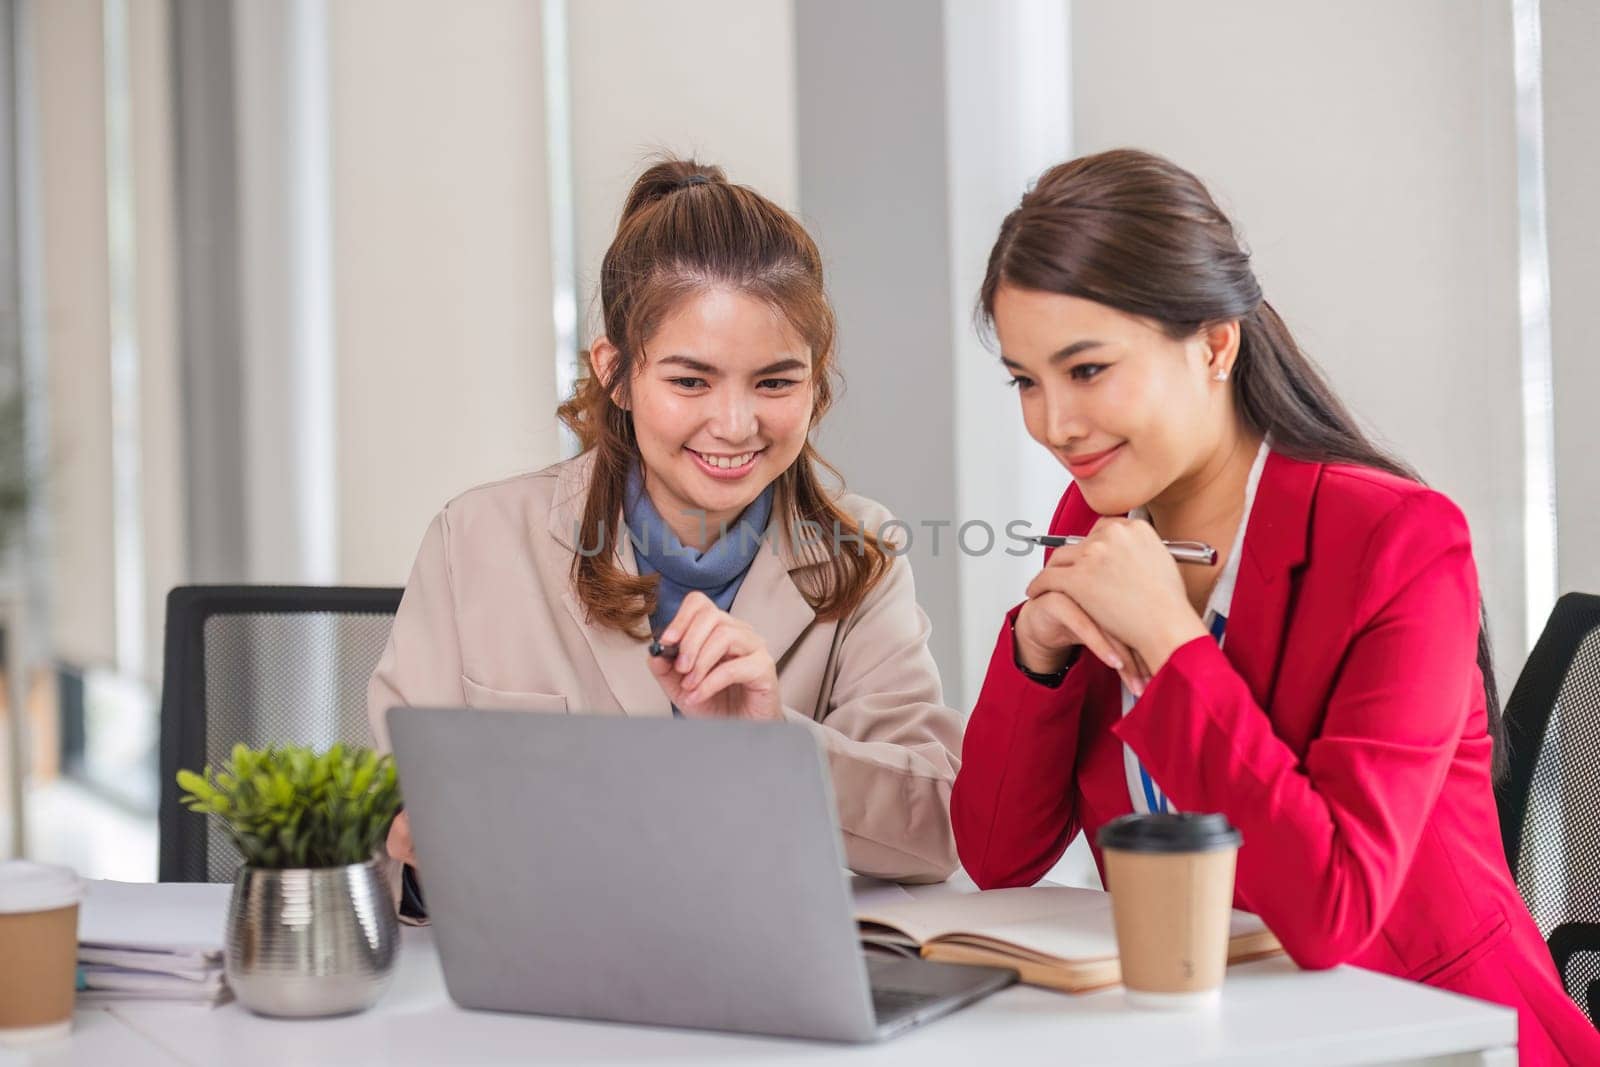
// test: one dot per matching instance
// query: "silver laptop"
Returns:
(650, 871)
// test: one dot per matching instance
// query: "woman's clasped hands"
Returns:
(1118, 594)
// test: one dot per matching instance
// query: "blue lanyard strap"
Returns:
(1154, 799)
(1219, 625)
(1156, 802)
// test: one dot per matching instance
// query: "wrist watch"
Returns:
(1052, 680)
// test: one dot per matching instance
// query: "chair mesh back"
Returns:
(275, 679)
(1559, 868)
(1553, 725)
(259, 665)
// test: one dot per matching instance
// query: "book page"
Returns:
(1060, 922)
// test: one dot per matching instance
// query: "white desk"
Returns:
(1271, 1014)
(98, 1037)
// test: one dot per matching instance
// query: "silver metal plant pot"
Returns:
(309, 942)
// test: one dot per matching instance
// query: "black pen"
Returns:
(1196, 552)
(664, 651)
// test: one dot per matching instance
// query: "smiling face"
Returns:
(721, 406)
(1130, 412)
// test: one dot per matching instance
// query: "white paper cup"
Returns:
(1171, 883)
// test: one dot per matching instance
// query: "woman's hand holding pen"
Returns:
(1125, 585)
(722, 668)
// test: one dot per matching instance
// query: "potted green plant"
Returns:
(311, 926)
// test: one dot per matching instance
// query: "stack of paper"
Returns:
(138, 941)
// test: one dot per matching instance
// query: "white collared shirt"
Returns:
(1146, 794)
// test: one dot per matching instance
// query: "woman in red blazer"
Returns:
(1325, 684)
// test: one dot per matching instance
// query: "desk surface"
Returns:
(1272, 1013)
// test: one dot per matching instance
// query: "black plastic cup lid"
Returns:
(1169, 832)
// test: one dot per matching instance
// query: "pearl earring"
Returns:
(1221, 375)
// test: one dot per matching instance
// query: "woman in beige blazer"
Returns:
(783, 600)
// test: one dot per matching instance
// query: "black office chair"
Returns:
(263, 665)
(1550, 803)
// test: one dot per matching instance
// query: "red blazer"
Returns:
(1341, 728)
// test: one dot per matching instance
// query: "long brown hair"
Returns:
(685, 230)
(1136, 232)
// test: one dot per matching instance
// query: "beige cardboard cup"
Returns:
(1171, 882)
(38, 951)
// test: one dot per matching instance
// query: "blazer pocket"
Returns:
(1483, 937)
(481, 696)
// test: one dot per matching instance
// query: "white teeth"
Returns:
(727, 462)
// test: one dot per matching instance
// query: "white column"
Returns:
(127, 525)
(875, 188)
(69, 86)
(161, 463)
(209, 292)
(920, 126)
(1571, 39)
(1008, 117)
(441, 270)
(286, 321)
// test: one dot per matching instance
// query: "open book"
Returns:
(1053, 936)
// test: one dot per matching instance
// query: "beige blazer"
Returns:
(489, 620)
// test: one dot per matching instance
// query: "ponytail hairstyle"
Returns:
(687, 230)
(1134, 231)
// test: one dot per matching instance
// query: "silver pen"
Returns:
(1196, 552)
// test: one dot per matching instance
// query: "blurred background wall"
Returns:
(280, 279)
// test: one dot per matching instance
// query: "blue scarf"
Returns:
(717, 572)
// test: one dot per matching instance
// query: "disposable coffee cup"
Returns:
(1171, 882)
(38, 951)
